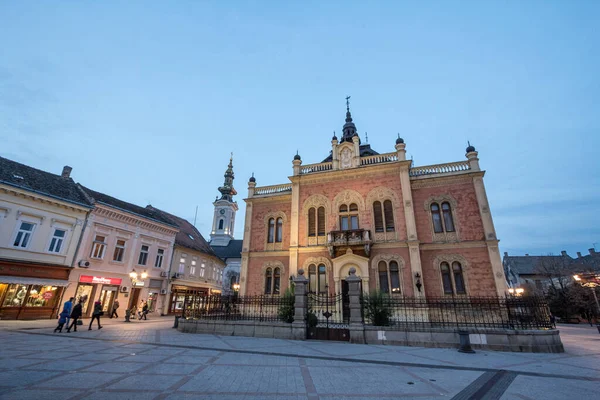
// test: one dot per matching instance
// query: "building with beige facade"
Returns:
(195, 270)
(407, 230)
(41, 219)
(125, 254)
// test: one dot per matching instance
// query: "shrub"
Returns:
(312, 319)
(286, 309)
(376, 306)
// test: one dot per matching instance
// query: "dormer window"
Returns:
(190, 236)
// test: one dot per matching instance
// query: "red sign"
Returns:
(100, 279)
(48, 295)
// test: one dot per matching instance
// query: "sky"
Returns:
(147, 99)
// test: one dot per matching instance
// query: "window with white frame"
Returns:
(159, 258)
(192, 270)
(202, 269)
(181, 268)
(98, 247)
(58, 238)
(24, 233)
(119, 250)
(143, 258)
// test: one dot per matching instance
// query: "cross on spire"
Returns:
(348, 103)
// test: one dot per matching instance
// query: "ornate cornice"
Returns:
(387, 258)
(316, 200)
(348, 196)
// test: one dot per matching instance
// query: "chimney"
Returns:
(578, 254)
(564, 253)
(592, 251)
(66, 172)
(506, 254)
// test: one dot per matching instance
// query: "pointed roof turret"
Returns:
(227, 190)
(349, 129)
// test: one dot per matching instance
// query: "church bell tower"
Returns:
(225, 209)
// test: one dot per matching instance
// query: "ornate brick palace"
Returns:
(412, 231)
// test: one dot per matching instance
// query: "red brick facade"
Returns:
(357, 175)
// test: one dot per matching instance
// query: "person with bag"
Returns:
(114, 309)
(96, 314)
(67, 308)
(144, 311)
(75, 316)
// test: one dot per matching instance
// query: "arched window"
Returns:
(279, 235)
(447, 212)
(321, 221)
(221, 223)
(383, 277)
(453, 281)
(312, 216)
(378, 215)
(317, 278)
(268, 280)
(271, 234)
(276, 280)
(389, 277)
(388, 214)
(437, 218)
(348, 217)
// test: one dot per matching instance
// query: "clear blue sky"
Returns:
(145, 100)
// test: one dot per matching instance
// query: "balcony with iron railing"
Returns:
(349, 238)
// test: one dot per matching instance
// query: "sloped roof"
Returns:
(45, 183)
(188, 236)
(589, 262)
(127, 207)
(528, 265)
(232, 250)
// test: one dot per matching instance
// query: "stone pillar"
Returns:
(293, 250)
(473, 160)
(357, 330)
(246, 248)
(297, 163)
(401, 150)
(300, 306)
(251, 186)
(355, 141)
(411, 230)
(334, 154)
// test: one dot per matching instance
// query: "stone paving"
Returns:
(150, 360)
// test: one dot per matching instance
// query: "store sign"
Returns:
(100, 279)
(48, 295)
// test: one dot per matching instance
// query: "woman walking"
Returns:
(75, 315)
(96, 315)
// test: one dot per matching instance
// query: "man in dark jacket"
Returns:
(75, 315)
(96, 314)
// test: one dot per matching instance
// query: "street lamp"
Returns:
(516, 292)
(591, 282)
(236, 287)
(133, 275)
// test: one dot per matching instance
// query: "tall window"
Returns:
(316, 221)
(317, 278)
(348, 217)
(98, 247)
(442, 220)
(143, 258)
(279, 232)
(276, 280)
(24, 234)
(159, 258)
(268, 281)
(181, 269)
(389, 277)
(192, 270)
(202, 270)
(56, 243)
(452, 278)
(384, 218)
(221, 224)
(271, 233)
(119, 251)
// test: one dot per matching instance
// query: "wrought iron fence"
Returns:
(472, 313)
(327, 309)
(240, 308)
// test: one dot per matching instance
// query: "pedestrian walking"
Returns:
(67, 308)
(62, 318)
(75, 315)
(96, 315)
(114, 309)
(144, 311)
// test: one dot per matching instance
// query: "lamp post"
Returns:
(587, 282)
(516, 291)
(133, 275)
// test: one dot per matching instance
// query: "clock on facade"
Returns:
(222, 211)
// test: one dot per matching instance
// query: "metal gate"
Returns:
(326, 317)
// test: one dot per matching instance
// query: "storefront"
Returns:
(31, 291)
(93, 288)
(182, 294)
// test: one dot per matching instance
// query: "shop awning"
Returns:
(33, 281)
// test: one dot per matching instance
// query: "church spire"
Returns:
(349, 129)
(227, 190)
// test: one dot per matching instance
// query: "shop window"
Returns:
(159, 258)
(56, 243)
(41, 296)
(24, 234)
(98, 247)
(119, 251)
(143, 258)
(84, 294)
(15, 296)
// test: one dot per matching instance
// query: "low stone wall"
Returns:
(538, 341)
(278, 330)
